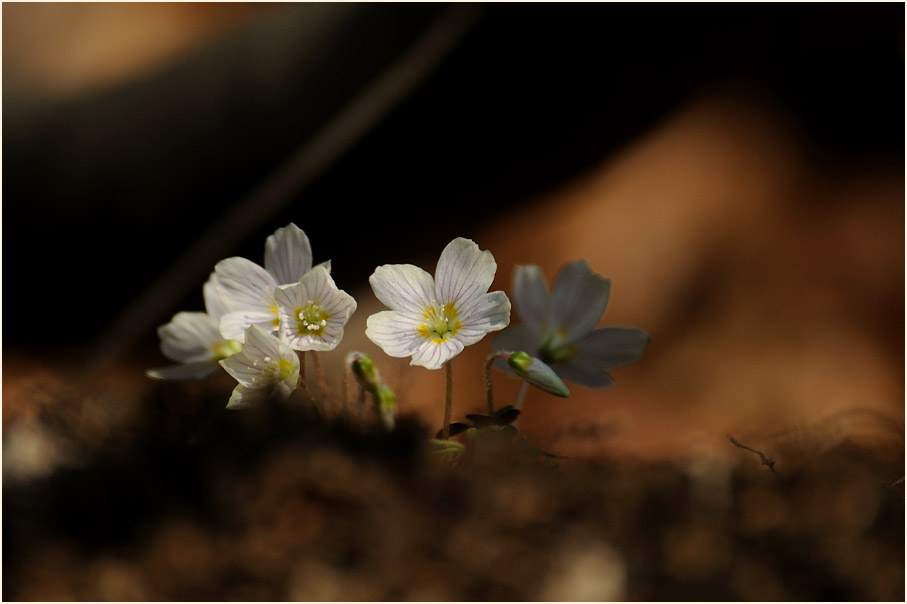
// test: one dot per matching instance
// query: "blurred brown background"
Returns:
(736, 170)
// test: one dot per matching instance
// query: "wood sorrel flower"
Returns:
(433, 319)
(194, 340)
(247, 289)
(559, 327)
(265, 368)
(313, 312)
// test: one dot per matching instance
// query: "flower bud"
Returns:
(537, 373)
(385, 406)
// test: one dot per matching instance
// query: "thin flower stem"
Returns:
(322, 385)
(518, 404)
(489, 396)
(344, 394)
(302, 365)
(448, 401)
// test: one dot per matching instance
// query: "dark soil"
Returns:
(192, 502)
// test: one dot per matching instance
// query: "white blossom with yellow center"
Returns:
(193, 339)
(432, 319)
(248, 289)
(265, 368)
(313, 312)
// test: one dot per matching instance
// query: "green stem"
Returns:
(448, 401)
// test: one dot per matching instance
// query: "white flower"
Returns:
(247, 289)
(265, 368)
(559, 327)
(313, 312)
(433, 319)
(194, 340)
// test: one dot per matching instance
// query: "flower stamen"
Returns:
(311, 319)
(440, 322)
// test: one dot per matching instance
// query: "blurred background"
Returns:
(737, 171)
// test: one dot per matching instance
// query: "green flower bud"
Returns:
(538, 374)
(365, 372)
(370, 380)
(385, 406)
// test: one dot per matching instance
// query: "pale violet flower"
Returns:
(265, 368)
(193, 339)
(247, 289)
(313, 311)
(559, 327)
(433, 319)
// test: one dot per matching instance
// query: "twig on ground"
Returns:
(765, 460)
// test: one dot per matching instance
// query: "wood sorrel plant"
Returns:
(432, 319)
(559, 326)
(258, 319)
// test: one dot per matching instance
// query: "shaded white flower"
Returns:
(559, 327)
(265, 368)
(433, 319)
(247, 289)
(194, 340)
(313, 311)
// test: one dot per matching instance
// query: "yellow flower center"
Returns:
(556, 347)
(440, 322)
(311, 319)
(226, 348)
(284, 369)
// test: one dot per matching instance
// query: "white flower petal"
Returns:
(397, 334)
(243, 369)
(579, 371)
(261, 344)
(233, 325)
(530, 296)
(244, 397)
(403, 287)
(326, 264)
(185, 371)
(517, 338)
(213, 303)
(612, 347)
(464, 272)
(432, 354)
(578, 300)
(318, 288)
(490, 312)
(243, 285)
(189, 337)
(288, 254)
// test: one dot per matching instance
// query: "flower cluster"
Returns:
(257, 319)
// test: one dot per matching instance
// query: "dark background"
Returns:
(105, 191)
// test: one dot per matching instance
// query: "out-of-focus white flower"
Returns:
(559, 327)
(433, 319)
(313, 311)
(247, 289)
(194, 340)
(265, 368)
